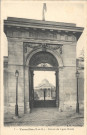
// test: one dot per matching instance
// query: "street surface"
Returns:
(45, 117)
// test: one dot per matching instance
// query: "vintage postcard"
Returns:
(43, 67)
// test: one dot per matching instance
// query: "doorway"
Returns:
(44, 89)
(45, 94)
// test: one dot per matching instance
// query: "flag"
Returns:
(44, 10)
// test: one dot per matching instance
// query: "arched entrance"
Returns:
(43, 61)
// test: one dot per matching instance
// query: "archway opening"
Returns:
(46, 93)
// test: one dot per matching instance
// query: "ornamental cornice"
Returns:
(27, 24)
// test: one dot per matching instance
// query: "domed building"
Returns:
(45, 91)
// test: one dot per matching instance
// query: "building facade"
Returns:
(35, 42)
(80, 68)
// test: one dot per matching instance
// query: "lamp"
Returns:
(16, 73)
(77, 74)
(16, 106)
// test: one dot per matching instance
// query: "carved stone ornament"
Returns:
(60, 49)
(44, 46)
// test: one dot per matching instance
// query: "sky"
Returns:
(69, 12)
(41, 75)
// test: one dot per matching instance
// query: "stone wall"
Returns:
(67, 78)
(15, 62)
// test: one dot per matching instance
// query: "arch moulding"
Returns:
(54, 53)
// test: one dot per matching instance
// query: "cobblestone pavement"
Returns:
(45, 117)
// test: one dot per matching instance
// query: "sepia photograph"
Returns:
(43, 55)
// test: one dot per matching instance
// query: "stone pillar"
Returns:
(26, 90)
(33, 87)
(61, 96)
(57, 90)
(6, 92)
(32, 90)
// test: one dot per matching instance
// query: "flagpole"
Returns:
(43, 12)
(43, 15)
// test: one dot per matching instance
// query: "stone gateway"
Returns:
(32, 45)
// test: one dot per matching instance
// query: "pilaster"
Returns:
(26, 90)
(57, 89)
